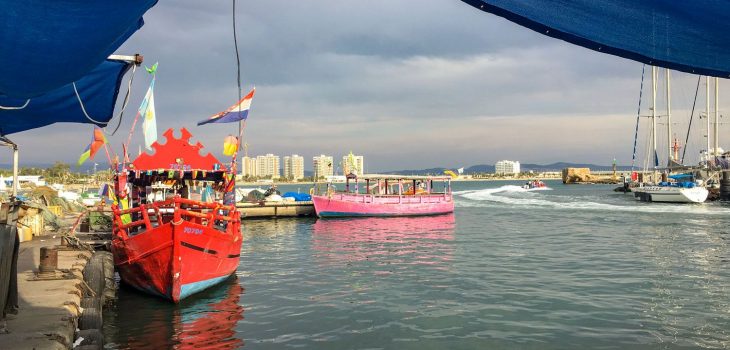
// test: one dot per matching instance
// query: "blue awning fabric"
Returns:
(97, 91)
(689, 36)
(47, 44)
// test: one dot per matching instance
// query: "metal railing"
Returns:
(174, 210)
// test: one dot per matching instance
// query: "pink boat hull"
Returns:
(344, 205)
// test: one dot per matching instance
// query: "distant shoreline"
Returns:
(259, 184)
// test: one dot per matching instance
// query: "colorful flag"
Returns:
(230, 145)
(153, 69)
(238, 111)
(97, 141)
(147, 109)
(104, 191)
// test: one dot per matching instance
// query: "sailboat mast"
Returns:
(717, 115)
(669, 117)
(707, 116)
(653, 112)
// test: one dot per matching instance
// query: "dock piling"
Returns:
(48, 260)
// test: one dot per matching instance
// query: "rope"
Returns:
(124, 104)
(638, 114)
(241, 123)
(84, 108)
(16, 108)
(238, 57)
(691, 115)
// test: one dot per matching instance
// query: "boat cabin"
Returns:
(175, 183)
(391, 185)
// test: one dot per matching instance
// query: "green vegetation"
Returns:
(60, 172)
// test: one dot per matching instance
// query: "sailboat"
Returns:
(683, 188)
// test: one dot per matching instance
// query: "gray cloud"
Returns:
(407, 86)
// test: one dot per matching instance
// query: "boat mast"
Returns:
(669, 118)
(707, 122)
(717, 114)
(653, 113)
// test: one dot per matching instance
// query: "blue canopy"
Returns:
(47, 44)
(689, 36)
(97, 91)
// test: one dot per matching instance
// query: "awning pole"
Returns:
(15, 170)
(136, 58)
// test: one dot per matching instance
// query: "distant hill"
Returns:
(486, 168)
(561, 165)
(431, 171)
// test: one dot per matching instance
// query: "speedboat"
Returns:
(534, 184)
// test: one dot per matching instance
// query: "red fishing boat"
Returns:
(174, 235)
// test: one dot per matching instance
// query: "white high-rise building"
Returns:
(248, 166)
(323, 166)
(353, 164)
(294, 167)
(268, 166)
(507, 167)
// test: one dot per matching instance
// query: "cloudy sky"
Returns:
(438, 84)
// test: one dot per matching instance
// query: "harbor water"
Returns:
(574, 267)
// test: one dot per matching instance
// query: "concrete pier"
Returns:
(49, 303)
(275, 209)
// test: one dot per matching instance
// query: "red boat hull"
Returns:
(175, 261)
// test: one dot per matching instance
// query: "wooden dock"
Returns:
(275, 209)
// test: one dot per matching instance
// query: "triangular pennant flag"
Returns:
(98, 140)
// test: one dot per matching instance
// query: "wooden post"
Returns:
(15, 171)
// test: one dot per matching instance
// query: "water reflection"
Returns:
(274, 227)
(204, 321)
(399, 241)
(689, 265)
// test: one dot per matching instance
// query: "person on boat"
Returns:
(184, 191)
(409, 190)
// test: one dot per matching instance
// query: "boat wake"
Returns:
(518, 197)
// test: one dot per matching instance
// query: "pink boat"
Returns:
(386, 195)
